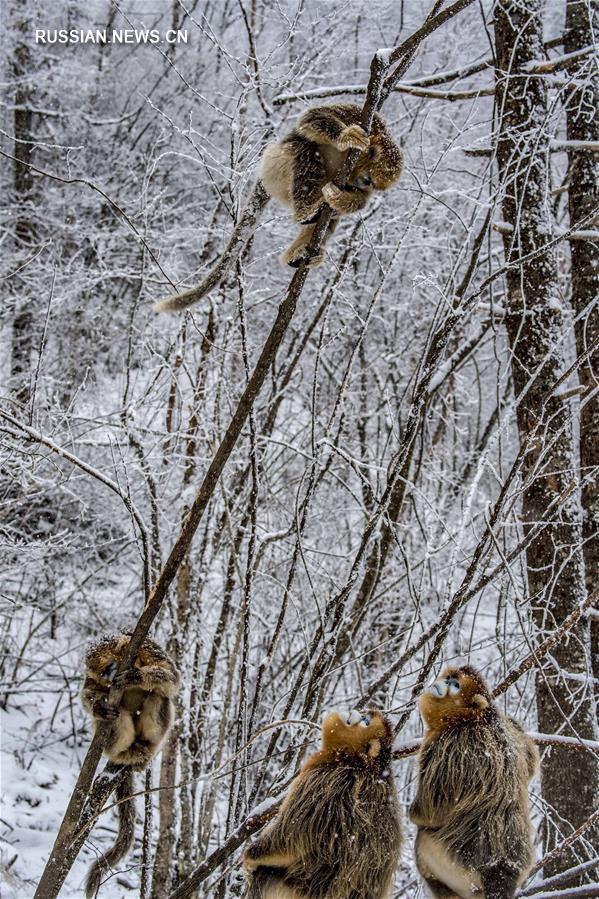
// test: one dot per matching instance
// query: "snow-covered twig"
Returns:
(400, 88)
(505, 228)
(582, 146)
(26, 432)
(543, 648)
(572, 838)
(559, 740)
(559, 878)
(586, 891)
(113, 205)
(542, 67)
(555, 146)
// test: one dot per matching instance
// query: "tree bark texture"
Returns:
(24, 234)
(536, 322)
(582, 122)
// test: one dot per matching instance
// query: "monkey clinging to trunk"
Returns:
(138, 725)
(300, 171)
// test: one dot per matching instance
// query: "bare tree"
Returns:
(310, 489)
(24, 229)
(537, 320)
(582, 102)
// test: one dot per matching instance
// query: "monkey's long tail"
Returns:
(124, 840)
(239, 240)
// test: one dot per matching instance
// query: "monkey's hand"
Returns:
(332, 194)
(104, 711)
(353, 137)
(128, 678)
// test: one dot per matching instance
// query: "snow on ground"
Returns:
(36, 787)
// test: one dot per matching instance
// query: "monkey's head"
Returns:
(103, 655)
(364, 734)
(382, 164)
(459, 694)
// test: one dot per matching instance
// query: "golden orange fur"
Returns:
(342, 740)
(471, 807)
(338, 831)
(469, 705)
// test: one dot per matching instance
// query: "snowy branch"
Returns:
(400, 88)
(558, 63)
(505, 228)
(25, 432)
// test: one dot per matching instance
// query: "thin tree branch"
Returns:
(358, 90)
(565, 844)
(547, 644)
(29, 433)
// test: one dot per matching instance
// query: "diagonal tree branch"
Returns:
(547, 644)
(65, 849)
(25, 432)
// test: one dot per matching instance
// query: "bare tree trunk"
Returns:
(61, 858)
(163, 860)
(536, 322)
(582, 25)
(22, 336)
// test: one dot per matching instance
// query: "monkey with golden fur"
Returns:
(299, 171)
(338, 832)
(471, 807)
(138, 726)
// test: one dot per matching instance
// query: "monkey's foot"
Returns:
(313, 218)
(137, 756)
(294, 256)
(353, 137)
(298, 251)
(104, 711)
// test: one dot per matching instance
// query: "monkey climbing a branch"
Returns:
(299, 172)
(138, 725)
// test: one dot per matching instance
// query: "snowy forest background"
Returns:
(416, 482)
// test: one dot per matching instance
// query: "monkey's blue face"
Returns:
(351, 718)
(109, 672)
(445, 686)
(354, 731)
(355, 717)
(458, 694)
(361, 182)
